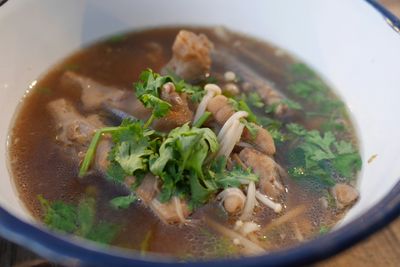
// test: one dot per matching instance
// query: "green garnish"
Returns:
(321, 156)
(77, 219)
(234, 178)
(91, 151)
(287, 102)
(148, 92)
(123, 202)
(202, 119)
(180, 161)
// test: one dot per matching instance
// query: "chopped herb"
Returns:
(148, 92)
(251, 117)
(287, 102)
(202, 119)
(324, 230)
(180, 161)
(234, 178)
(321, 156)
(77, 219)
(123, 202)
(254, 100)
(251, 127)
(307, 85)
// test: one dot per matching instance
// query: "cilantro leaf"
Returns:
(59, 215)
(347, 164)
(320, 156)
(85, 216)
(123, 202)
(180, 161)
(78, 219)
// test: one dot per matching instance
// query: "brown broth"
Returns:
(40, 168)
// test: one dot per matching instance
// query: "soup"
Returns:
(194, 144)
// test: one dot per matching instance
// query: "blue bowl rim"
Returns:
(64, 250)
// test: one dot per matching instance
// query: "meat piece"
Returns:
(269, 171)
(76, 131)
(179, 113)
(221, 109)
(96, 96)
(191, 56)
(262, 140)
(344, 195)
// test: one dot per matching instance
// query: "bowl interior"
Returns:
(347, 42)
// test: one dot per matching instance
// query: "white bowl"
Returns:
(347, 42)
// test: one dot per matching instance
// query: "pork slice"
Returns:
(179, 114)
(344, 194)
(96, 96)
(269, 171)
(262, 140)
(76, 131)
(191, 56)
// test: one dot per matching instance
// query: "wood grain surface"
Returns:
(381, 249)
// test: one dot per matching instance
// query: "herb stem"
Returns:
(149, 121)
(90, 153)
(203, 118)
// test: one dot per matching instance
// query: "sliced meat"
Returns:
(269, 171)
(344, 195)
(220, 108)
(76, 131)
(191, 56)
(96, 96)
(262, 140)
(180, 112)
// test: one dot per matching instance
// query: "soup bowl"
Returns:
(347, 42)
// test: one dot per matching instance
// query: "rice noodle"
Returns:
(297, 232)
(249, 247)
(293, 213)
(268, 202)
(178, 208)
(212, 90)
(250, 202)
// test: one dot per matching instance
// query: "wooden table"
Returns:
(381, 249)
